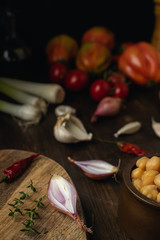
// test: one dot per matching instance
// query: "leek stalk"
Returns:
(51, 92)
(23, 97)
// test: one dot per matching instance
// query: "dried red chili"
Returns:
(126, 147)
(131, 148)
(17, 168)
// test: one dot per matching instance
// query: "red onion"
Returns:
(96, 169)
(108, 106)
(63, 196)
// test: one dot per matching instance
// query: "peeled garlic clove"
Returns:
(156, 127)
(96, 169)
(128, 128)
(63, 196)
(69, 129)
(63, 109)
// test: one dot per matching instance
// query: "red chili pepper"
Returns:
(17, 168)
(131, 148)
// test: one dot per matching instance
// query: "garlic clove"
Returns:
(156, 127)
(69, 129)
(96, 169)
(128, 128)
(63, 109)
(63, 196)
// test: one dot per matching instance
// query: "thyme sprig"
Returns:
(33, 214)
(18, 201)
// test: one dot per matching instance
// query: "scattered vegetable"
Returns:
(93, 57)
(101, 35)
(61, 48)
(141, 63)
(114, 78)
(17, 168)
(125, 147)
(70, 129)
(129, 128)
(99, 89)
(27, 113)
(76, 80)
(57, 73)
(96, 169)
(23, 97)
(63, 196)
(120, 90)
(131, 148)
(156, 127)
(63, 109)
(108, 106)
(52, 93)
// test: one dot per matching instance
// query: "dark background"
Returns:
(38, 21)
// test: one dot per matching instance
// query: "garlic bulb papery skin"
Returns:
(69, 129)
(63, 109)
(156, 127)
(96, 169)
(129, 128)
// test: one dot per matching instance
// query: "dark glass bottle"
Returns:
(14, 53)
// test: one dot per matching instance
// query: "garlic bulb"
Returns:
(63, 109)
(156, 127)
(69, 129)
(128, 128)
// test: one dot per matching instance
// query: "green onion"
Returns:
(23, 97)
(51, 92)
(24, 112)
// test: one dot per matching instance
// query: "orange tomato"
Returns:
(141, 63)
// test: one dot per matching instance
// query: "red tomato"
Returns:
(115, 77)
(57, 73)
(121, 90)
(76, 80)
(99, 89)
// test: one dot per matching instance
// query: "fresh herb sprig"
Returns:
(18, 201)
(33, 214)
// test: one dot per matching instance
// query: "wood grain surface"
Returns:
(58, 225)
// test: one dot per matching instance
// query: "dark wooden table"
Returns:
(99, 198)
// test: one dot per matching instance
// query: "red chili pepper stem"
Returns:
(4, 178)
(17, 168)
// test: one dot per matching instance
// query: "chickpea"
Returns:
(150, 191)
(141, 162)
(137, 173)
(153, 163)
(158, 197)
(137, 183)
(157, 180)
(148, 177)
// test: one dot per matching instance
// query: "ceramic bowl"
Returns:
(138, 215)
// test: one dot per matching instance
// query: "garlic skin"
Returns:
(96, 169)
(69, 129)
(156, 127)
(63, 109)
(129, 128)
(63, 196)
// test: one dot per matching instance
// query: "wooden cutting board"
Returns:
(58, 225)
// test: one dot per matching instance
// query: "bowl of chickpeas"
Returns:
(139, 199)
